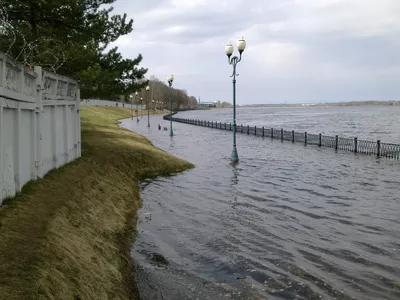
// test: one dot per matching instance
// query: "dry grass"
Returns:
(68, 235)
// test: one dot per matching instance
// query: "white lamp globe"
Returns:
(170, 78)
(229, 49)
(147, 88)
(241, 44)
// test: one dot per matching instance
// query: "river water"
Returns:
(287, 222)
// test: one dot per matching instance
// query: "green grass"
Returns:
(68, 236)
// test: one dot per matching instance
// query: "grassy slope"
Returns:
(68, 235)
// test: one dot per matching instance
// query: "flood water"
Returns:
(288, 222)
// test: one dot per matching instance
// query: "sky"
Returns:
(298, 51)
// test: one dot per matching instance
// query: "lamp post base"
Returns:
(234, 157)
(148, 125)
(171, 133)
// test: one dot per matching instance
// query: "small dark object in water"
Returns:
(159, 126)
(165, 128)
(159, 260)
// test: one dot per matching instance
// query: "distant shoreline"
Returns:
(352, 103)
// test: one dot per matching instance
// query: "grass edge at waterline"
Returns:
(68, 235)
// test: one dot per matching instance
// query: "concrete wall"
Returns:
(97, 102)
(39, 124)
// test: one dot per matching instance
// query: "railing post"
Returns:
(355, 145)
(305, 137)
(292, 136)
(378, 148)
(248, 129)
(263, 132)
(319, 140)
(241, 128)
(336, 142)
(212, 124)
(281, 134)
(272, 133)
(230, 126)
(255, 130)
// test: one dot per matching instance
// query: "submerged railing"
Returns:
(377, 148)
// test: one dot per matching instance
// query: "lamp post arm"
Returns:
(234, 61)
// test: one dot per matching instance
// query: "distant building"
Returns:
(207, 104)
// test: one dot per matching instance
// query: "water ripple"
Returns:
(287, 223)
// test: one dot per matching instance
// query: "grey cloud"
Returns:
(132, 8)
(362, 66)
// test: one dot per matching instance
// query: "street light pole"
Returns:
(131, 97)
(137, 107)
(241, 45)
(148, 105)
(141, 105)
(170, 80)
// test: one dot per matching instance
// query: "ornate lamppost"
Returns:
(170, 80)
(148, 105)
(137, 107)
(241, 45)
(131, 97)
(141, 105)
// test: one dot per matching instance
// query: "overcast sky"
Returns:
(297, 50)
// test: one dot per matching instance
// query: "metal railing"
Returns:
(377, 148)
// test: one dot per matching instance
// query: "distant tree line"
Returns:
(160, 92)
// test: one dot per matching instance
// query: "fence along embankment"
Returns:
(386, 150)
(39, 124)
